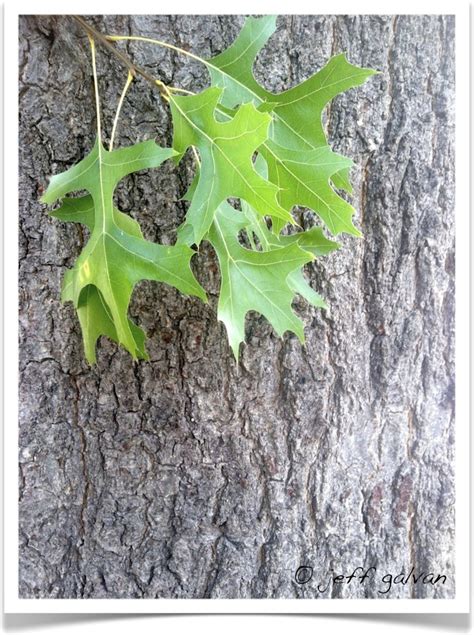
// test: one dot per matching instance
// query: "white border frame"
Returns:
(14, 604)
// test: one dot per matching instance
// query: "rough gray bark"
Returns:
(190, 477)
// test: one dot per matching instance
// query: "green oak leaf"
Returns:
(304, 179)
(81, 210)
(297, 112)
(254, 280)
(93, 313)
(226, 150)
(311, 240)
(233, 68)
(96, 320)
(116, 255)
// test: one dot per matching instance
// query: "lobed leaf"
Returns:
(304, 179)
(296, 113)
(116, 255)
(311, 240)
(253, 280)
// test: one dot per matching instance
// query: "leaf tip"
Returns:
(143, 355)
(322, 304)
(202, 295)
(301, 336)
(46, 198)
(373, 71)
(90, 354)
(235, 351)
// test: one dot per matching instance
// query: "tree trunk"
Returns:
(190, 476)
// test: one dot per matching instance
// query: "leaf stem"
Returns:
(119, 108)
(138, 38)
(175, 89)
(96, 90)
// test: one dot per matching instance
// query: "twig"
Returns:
(132, 68)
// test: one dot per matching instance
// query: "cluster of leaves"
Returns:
(268, 150)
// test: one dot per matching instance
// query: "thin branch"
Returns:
(132, 68)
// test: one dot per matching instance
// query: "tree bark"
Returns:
(190, 476)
